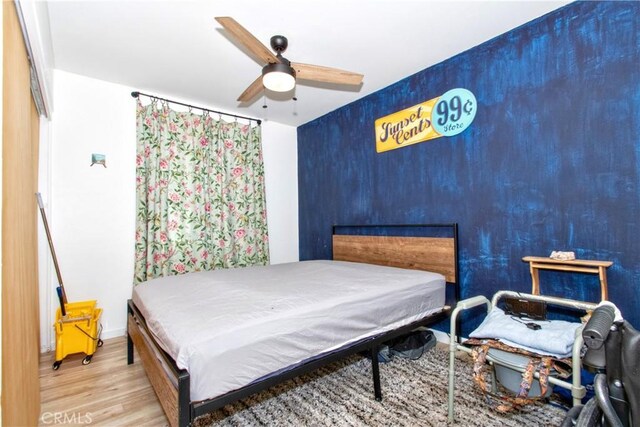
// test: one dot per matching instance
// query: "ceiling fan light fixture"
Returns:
(278, 77)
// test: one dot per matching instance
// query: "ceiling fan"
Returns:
(279, 74)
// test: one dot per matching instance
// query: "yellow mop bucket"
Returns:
(78, 331)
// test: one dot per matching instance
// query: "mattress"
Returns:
(228, 328)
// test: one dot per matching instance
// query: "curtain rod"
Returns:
(136, 94)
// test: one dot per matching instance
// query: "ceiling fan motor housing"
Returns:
(282, 67)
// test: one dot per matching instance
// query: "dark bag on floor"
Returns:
(412, 346)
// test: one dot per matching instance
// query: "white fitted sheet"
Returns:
(231, 327)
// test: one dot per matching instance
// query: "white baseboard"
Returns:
(442, 337)
(114, 333)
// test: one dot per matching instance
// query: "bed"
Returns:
(207, 339)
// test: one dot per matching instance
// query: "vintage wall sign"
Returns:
(446, 115)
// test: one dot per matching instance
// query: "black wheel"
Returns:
(56, 364)
(87, 360)
(572, 416)
(100, 342)
(591, 414)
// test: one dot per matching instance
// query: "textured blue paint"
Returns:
(551, 161)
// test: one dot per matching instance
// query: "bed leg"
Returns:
(376, 373)
(129, 350)
(185, 417)
(129, 340)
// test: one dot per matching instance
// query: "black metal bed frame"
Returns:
(189, 411)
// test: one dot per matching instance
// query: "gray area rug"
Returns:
(341, 394)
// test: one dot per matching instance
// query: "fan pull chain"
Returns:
(295, 105)
(264, 105)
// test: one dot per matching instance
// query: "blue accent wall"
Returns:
(551, 162)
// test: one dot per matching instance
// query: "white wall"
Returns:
(47, 280)
(280, 154)
(92, 209)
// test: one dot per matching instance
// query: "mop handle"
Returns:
(53, 251)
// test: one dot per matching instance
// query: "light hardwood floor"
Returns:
(107, 392)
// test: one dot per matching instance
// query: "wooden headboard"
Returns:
(437, 254)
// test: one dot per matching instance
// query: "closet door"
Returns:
(20, 323)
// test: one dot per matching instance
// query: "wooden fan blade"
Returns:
(326, 74)
(247, 39)
(252, 91)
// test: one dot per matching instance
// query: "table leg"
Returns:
(535, 280)
(603, 283)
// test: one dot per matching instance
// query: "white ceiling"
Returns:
(176, 48)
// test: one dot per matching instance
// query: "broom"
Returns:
(62, 295)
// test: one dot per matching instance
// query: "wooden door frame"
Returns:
(20, 302)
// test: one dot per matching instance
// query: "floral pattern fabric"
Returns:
(199, 194)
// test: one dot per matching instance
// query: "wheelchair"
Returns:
(613, 351)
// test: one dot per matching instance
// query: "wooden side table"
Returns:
(572, 266)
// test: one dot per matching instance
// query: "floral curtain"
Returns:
(199, 193)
